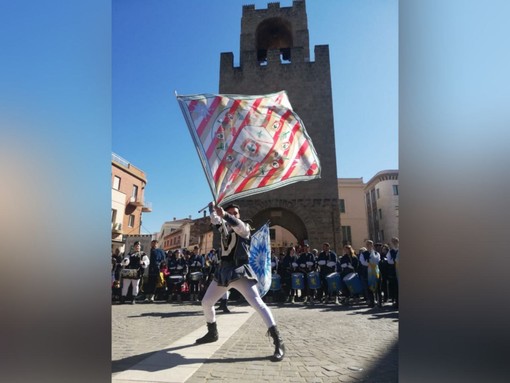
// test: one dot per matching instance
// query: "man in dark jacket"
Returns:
(156, 257)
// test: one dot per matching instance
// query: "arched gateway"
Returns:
(274, 56)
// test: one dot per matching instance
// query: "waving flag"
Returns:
(260, 258)
(249, 144)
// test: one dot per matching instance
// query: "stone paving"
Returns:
(325, 343)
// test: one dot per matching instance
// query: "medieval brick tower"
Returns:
(275, 56)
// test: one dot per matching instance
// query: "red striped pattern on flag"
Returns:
(246, 148)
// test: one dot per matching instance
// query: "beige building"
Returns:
(186, 234)
(353, 213)
(171, 235)
(381, 200)
(128, 186)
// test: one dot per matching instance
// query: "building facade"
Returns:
(186, 234)
(275, 56)
(128, 187)
(353, 211)
(382, 201)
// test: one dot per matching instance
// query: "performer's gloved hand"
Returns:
(215, 219)
(219, 210)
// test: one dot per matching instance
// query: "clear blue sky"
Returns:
(159, 47)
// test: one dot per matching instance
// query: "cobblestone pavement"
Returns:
(325, 343)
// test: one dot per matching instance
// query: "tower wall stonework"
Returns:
(310, 210)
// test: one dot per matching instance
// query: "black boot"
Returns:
(223, 306)
(211, 336)
(279, 350)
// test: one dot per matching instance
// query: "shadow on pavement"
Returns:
(386, 312)
(181, 314)
(386, 368)
(172, 359)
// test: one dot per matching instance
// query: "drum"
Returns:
(353, 283)
(175, 279)
(129, 274)
(334, 282)
(314, 281)
(196, 276)
(298, 281)
(276, 282)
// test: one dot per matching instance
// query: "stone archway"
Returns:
(284, 218)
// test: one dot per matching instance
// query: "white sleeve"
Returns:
(241, 228)
(215, 218)
(362, 260)
(145, 262)
(125, 261)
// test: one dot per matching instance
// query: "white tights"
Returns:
(125, 286)
(249, 291)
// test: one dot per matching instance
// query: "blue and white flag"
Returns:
(260, 258)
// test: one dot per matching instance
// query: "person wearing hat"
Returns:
(234, 271)
(136, 260)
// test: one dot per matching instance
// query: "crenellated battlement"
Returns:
(274, 55)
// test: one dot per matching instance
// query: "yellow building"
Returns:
(353, 213)
(382, 200)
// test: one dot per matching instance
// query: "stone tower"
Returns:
(275, 56)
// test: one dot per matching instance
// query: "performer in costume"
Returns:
(136, 260)
(306, 264)
(271, 295)
(156, 257)
(348, 263)
(327, 265)
(384, 269)
(196, 265)
(289, 266)
(177, 266)
(234, 271)
(392, 259)
(369, 273)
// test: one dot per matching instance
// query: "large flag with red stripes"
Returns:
(249, 144)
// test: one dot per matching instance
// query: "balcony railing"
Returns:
(117, 228)
(120, 160)
(135, 201)
(147, 207)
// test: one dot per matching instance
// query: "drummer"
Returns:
(178, 267)
(272, 294)
(289, 266)
(327, 265)
(306, 264)
(196, 265)
(348, 263)
(369, 274)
